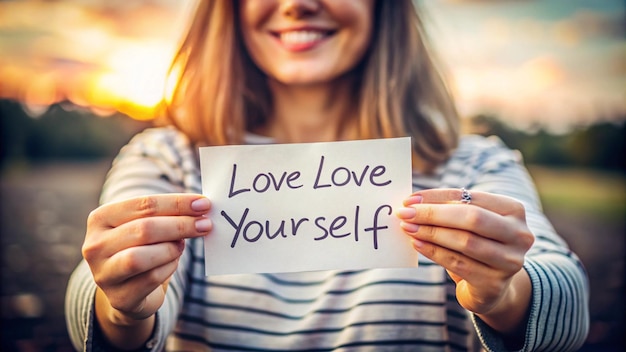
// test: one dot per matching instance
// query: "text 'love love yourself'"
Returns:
(250, 228)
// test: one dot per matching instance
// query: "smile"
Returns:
(300, 40)
(301, 37)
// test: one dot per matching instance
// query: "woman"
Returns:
(283, 71)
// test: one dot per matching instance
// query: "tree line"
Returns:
(63, 131)
(67, 132)
(596, 146)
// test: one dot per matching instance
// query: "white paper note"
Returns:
(307, 206)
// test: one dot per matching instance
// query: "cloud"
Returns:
(586, 24)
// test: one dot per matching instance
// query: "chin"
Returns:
(302, 82)
(310, 78)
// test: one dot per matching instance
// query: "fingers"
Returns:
(118, 213)
(141, 232)
(158, 218)
(146, 231)
(129, 277)
(135, 261)
(493, 216)
(499, 204)
(133, 296)
(459, 216)
(160, 229)
(466, 244)
(456, 263)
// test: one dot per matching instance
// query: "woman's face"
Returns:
(306, 41)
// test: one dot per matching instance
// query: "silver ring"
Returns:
(466, 197)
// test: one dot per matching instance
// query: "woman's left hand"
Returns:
(481, 244)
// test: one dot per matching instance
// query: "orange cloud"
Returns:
(104, 58)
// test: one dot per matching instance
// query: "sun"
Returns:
(134, 79)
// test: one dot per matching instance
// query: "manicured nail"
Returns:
(406, 213)
(204, 225)
(409, 226)
(201, 204)
(416, 199)
(417, 243)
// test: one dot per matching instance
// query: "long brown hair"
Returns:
(400, 91)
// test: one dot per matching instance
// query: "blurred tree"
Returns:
(488, 125)
(599, 146)
(545, 148)
(15, 127)
(62, 132)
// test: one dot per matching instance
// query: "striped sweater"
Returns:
(411, 309)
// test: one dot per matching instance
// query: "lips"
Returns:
(302, 39)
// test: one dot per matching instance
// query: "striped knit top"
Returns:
(411, 309)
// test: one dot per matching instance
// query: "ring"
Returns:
(466, 197)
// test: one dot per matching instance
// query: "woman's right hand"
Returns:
(133, 248)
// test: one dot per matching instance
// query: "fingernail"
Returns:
(409, 226)
(416, 199)
(204, 225)
(201, 204)
(406, 213)
(417, 243)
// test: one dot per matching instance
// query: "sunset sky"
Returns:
(557, 62)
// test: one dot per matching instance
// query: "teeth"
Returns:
(300, 37)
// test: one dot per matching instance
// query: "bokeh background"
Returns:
(79, 77)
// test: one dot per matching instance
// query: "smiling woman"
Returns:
(492, 270)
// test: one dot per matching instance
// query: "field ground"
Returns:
(600, 195)
(44, 207)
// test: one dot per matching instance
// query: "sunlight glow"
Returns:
(136, 78)
(81, 55)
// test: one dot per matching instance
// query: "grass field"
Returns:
(582, 192)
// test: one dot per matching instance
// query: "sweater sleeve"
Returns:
(559, 316)
(155, 161)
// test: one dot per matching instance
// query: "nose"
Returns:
(300, 8)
